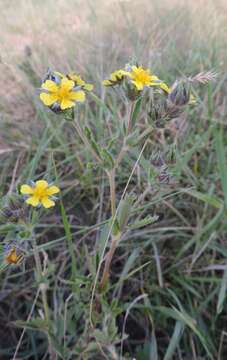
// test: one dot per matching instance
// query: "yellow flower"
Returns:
(61, 93)
(165, 87)
(13, 256)
(40, 193)
(141, 78)
(80, 82)
(116, 77)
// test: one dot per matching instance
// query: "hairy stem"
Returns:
(111, 176)
(129, 125)
(84, 139)
(109, 257)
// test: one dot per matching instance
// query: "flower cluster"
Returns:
(136, 79)
(61, 92)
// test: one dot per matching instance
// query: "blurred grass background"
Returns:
(179, 262)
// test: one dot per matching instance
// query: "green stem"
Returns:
(111, 176)
(84, 139)
(43, 289)
(121, 154)
(129, 128)
(109, 257)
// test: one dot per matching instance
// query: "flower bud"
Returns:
(13, 254)
(13, 209)
(180, 93)
(131, 92)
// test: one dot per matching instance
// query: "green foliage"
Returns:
(165, 297)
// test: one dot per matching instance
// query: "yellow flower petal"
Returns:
(165, 87)
(135, 68)
(33, 200)
(52, 190)
(50, 86)
(48, 99)
(41, 184)
(77, 95)
(154, 84)
(124, 73)
(154, 78)
(26, 189)
(138, 85)
(73, 76)
(66, 104)
(106, 82)
(47, 203)
(66, 84)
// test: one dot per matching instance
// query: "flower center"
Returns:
(142, 76)
(63, 92)
(39, 192)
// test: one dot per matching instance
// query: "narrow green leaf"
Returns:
(222, 293)
(220, 150)
(174, 341)
(211, 200)
(124, 211)
(153, 355)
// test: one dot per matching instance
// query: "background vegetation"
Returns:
(166, 297)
